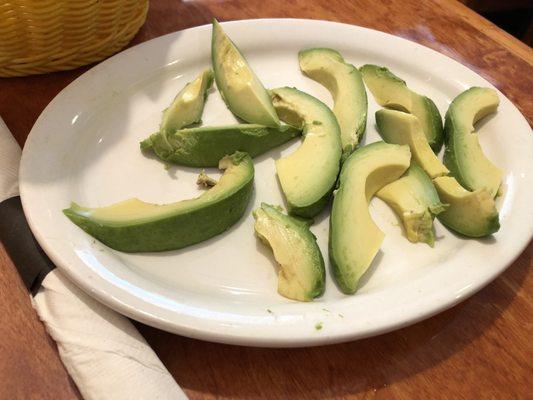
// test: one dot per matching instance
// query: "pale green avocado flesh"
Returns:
(402, 128)
(136, 226)
(345, 83)
(391, 92)
(302, 273)
(354, 238)
(205, 146)
(416, 202)
(308, 175)
(472, 214)
(188, 105)
(463, 155)
(240, 88)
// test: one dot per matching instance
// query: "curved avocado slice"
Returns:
(392, 92)
(188, 105)
(472, 214)
(463, 154)
(403, 128)
(354, 238)
(241, 89)
(135, 226)
(205, 146)
(302, 274)
(308, 175)
(345, 83)
(415, 200)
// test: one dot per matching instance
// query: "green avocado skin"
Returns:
(464, 228)
(449, 158)
(436, 125)
(172, 232)
(205, 146)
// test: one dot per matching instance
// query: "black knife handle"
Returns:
(29, 259)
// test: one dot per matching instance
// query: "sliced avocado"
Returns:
(344, 81)
(472, 214)
(241, 89)
(308, 175)
(354, 238)
(463, 154)
(302, 274)
(403, 128)
(205, 180)
(188, 105)
(135, 226)
(205, 146)
(415, 200)
(392, 92)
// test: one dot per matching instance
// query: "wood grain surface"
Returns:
(480, 349)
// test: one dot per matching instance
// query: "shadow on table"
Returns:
(336, 370)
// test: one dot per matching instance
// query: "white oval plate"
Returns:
(85, 147)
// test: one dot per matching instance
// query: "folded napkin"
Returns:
(103, 352)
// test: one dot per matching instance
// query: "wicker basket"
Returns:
(38, 36)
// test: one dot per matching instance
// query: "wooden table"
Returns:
(481, 348)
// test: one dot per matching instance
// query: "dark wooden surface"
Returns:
(481, 348)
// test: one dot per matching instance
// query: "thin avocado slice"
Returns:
(463, 155)
(188, 105)
(345, 83)
(205, 146)
(135, 226)
(354, 238)
(415, 200)
(402, 128)
(392, 92)
(241, 89)
(308, 175)
(302, 274)
(472, 214)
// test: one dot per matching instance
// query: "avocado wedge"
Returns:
(345, 83)
(472, 214)
(205, 146)
(308, 175)
(415, 200)
(402, 128)
(354, 238)
(241, 89)
(188, 105)
(136, 226)
(302, 274)
(463, 155)
(392, 92)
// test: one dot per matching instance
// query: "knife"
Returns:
(103, 352)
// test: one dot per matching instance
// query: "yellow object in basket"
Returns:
(39, 36)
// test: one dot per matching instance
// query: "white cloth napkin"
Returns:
(103, 352)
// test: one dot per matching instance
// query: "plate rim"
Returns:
(233, 337)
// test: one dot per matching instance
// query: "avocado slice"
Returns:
(308, 175)
(345, 83)
(463, 154)
(241, 89)
(392, 92)
(135, 226)
(354, 238)
(402, 128)
(472, 214)
(205, 146)
(302, 273)
(415, 200)
(188, 105)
